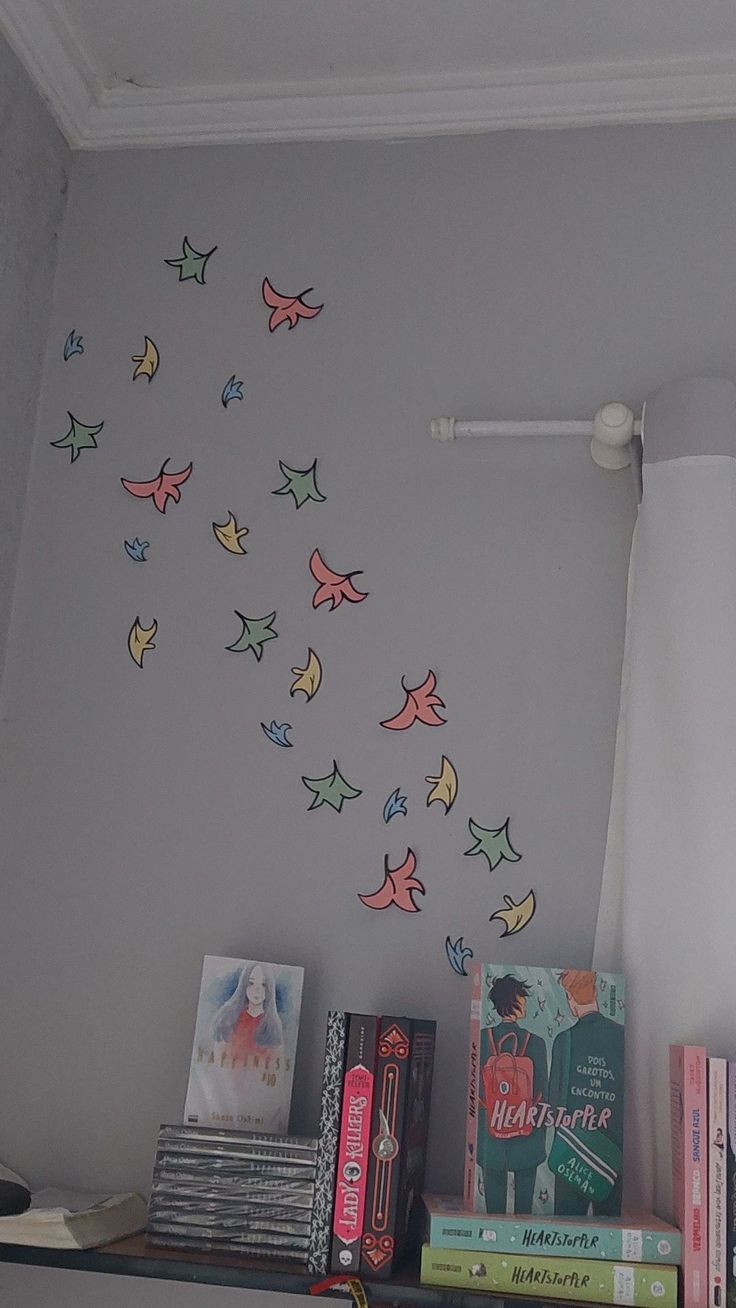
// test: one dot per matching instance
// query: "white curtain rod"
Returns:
(611, 432)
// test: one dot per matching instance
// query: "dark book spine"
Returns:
(387, 1127)
(413, 1154)
(730, 1222)
(320, 1234)
(354, 1147)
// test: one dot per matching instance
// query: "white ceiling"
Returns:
(154, 72)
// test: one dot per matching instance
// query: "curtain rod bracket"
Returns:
(610, 432)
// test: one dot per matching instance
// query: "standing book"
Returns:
(633, 1238)
(717, 1182)
(688, 1110)
(539, 1277)
(245, 1035)
(730, 1224)
(545, 1114)
(354, 1146)
(328, 1143)
(399, 1124)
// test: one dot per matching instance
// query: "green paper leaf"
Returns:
(192, 264)
(255, 633)
(301, 483)
(495, 844)
(332, 789)
(79, 437)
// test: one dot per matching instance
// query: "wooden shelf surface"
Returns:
(134, 1257)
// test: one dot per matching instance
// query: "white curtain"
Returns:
(668, 904)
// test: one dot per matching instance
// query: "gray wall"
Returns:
(146, 818)
(34, 162)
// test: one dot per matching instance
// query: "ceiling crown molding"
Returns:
(96, 116)
(56, 61)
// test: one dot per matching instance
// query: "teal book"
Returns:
(545, 1115)
(535, 1276)
(633, 1238)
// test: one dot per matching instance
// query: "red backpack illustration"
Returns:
(508, 1083)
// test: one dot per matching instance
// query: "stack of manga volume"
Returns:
(233, 1191)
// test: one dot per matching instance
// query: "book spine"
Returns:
(329, 1140)
(717, 1182)
(412, 1158)
(578, 1279)
(472, 1120)
(631, 1244)
(730, 1220)
(387, 1127)
(688, 1104)
(354, 1146)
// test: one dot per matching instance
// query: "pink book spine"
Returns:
(355, 1141)
(688, 1106)
(472, 1118)
(717, 1182)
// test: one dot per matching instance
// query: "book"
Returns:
(245, 1034)
(688, 1113)
(68, 1219)
(545, 1107)
(354, 1146)
(201, 1244)
(730, 1220)
(534, 1275)
(717, 1182)
(399, 1123)
(633, 1238)
(329, 1140)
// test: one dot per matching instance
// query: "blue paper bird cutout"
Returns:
(136, 549)
(277, 733)
(72, 345)
(395, 803)
(457, 953)
(232, 390)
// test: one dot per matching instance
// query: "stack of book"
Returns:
(606, 1260)
(372, 1142)
(703, 1113)
(235, 1191)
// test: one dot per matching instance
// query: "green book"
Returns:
(634, 1238)
(534, 1275)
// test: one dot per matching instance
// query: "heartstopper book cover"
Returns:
(546, 1091)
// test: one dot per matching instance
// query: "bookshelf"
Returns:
(133, 1257)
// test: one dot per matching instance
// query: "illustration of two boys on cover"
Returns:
(521, 1098)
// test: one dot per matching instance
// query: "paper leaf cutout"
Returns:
(160, 489)
(140, 639)
(332, 789)
(333, 586)
(277, 733)
(495, 844)
(255, 633)
(515, 916)
(229, 534)
(287, 308)
(192, 264)
(457, 952)
(136, 549)
(232, 390)
(394, 805)
(399, 884)
(79, 437)
(147, 362)
(420, 705)
(72, 345)
(444, 786)
(308, 679)
(301, 483)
